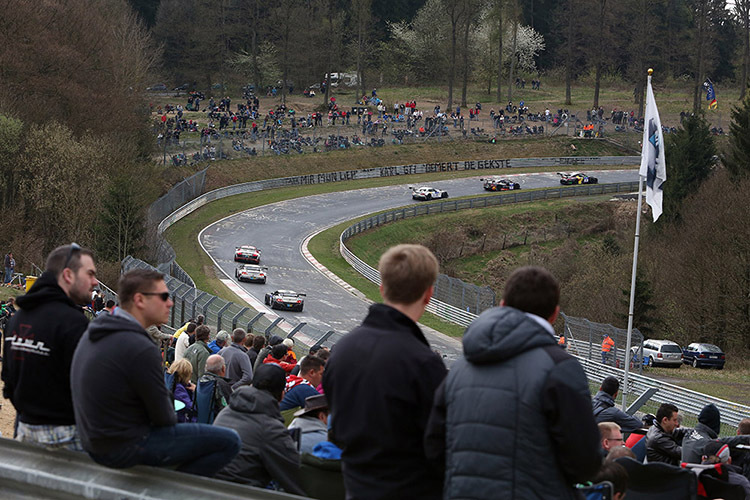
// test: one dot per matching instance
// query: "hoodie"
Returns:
(38, 347)
(118, 385)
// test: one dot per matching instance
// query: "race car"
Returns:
(426, 193)
(568, 179)
(251, 273)
(286, 299)
(499, 184)
(247, 253)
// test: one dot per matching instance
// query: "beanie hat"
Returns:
(275, 339)
(270, 377)
(710, 417)
(717, 449)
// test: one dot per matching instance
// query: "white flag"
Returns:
(653, 164)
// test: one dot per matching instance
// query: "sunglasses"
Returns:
(162, 295)
(74, 247)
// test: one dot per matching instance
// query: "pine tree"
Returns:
(737, 159)
(690, 155)
(643, 317)
(120, 228)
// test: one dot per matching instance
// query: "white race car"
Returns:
(251, 273)
(426, 193)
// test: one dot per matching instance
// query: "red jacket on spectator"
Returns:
(288, 367)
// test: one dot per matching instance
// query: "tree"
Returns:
(362, 17)
(11, 138)
(514, 15)
(643, 308)
(742, 11)
(120, 226)
(737, 157)
(690, 156)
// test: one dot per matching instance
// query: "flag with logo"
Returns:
(710, 94)
(653, 164)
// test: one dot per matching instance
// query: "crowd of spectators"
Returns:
(380, 416)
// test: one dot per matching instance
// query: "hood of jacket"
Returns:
(248, 399)
(602, 400)
(44, 290)
(502, 333)
(308, 424)
(107, 324)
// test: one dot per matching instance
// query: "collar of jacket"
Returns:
(382, 316)
(238, 346)
(44, 290)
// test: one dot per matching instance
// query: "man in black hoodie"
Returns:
(38, 348)
(125, 414)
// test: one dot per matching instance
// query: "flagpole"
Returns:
(628, 343)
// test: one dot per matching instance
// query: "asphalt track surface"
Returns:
(279, 230)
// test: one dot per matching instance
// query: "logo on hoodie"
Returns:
(24, 342)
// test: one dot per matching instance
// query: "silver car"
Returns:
(662, 352)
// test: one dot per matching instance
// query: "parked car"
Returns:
(661, 352)
(706, 355)
(159, 87)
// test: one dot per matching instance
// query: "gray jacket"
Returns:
(239, 372)
(606, 411)
(312, 430)
(516, 414)
(694, 442)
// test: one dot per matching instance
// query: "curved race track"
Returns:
(280, 228)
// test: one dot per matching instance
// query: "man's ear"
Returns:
(554, 316)
(428, 295)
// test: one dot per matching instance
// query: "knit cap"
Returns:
(710, 417)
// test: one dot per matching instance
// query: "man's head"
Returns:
(715, 452)
(620, 451)
(615, 474)
(315, 407)
(311, 369)
(249, 340)
(710, 417)
(610, 385)
(216, 365)
(289, 343)
(667, 416)
(407, 273)
(238, 335)
(190, 330)
(271, 378)
(202, 333)
(222, 338)
(611, 435)
(744, 427)
(200, 319)
(109, 305)
(533, 290)
(278, 351)
(74, 269)
(259, 342)
(144, 294)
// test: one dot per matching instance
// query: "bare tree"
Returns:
(498, 8)
(514, 18)
(362, 17)
(471, 9)
(742, 11)
(456, 11)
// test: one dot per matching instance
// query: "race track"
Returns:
(280, 228)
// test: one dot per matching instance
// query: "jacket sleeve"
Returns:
(566, 403)
(147, 380)
(282, 461)
(247, 370)
(434, 438)
(667, 446)
(733, 441)
(627, 423)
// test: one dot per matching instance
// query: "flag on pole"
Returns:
(710, 94)
(653, 164)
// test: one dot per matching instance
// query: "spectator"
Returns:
(298, 389)
(157, 336)
(620, 451)
(222, 340)
(605, 409)
(259, 342)
(664, 439)
(718, 453)
(278, 352)
(742, 457)
(615, 474)
(123, 410)
(290, 356)
(109, 307)
(10, 265)
(183, 341)
(38, 348)
(248, 342)
(198, 353)
(239, 371)
(184, 389)
(611, 436)
(707, 429)
(268, 451)
(263, 354)
(222, 390)
(635, 437)
(380, 382)
(312, 421)
(515, 383)
(607, 345)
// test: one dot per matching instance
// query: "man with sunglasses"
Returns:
(38, 348)
(124, 412)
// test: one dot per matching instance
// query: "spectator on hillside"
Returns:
(620, 451)
(263, 354)
(198, 353)
(615, 474)
(259, 342)
(664, 439)
(380, 382)
(606, 411)
(183, 390)
(298, 389)
(707, 429)
(278, 352)
(157, 336)
(312, 421)
(222, 340)
(239, 371)
(215, 371)
(718, 453)
(123, 409)
(611, 436)
(109, 307)
(290, 356)
(268, 451)
(184, 341)
(514, 382)
(38, 347)
(10, 265)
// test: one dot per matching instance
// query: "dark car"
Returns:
(704, 355)
(576, 178)
(499, 184)
(286, 300)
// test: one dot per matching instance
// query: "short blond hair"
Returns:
(182, 371)
(606, 429)
(406, 272)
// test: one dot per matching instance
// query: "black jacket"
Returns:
(118, 385)
(380, 382)
(38, 348)
(606, 411)
(513, 419)
(663, 447)
(268, 451)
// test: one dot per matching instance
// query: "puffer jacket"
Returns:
(606, 411)
(517, 409)
(268, 451)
